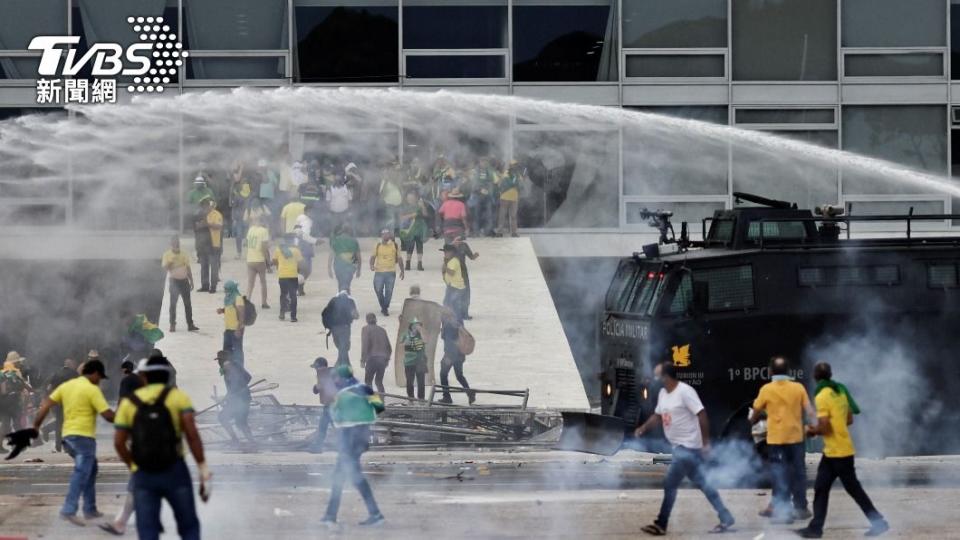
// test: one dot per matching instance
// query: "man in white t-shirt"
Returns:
(687, 429)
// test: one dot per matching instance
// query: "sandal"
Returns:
(722, 528)
(654, 530)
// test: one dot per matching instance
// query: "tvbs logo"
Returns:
(152, 63)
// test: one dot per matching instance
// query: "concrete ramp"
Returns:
(520, 341)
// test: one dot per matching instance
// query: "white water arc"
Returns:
(119, 152)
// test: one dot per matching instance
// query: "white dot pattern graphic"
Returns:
(167, 53)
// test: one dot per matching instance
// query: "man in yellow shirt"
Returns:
(82, 401)
(159, 470)
(209, 238)
(233, 312)
(286, 256)
(835, 410)
(258, 258)
(177, 265)
(455, 296)
(288, 216)
(383, 263)
(509, 187)
(785, 403)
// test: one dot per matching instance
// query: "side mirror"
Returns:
(701, 297)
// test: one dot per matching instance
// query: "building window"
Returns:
(564, 43)
(754, 116)
(784, 174)
(911, 135)
(674, 24)
(454, 25)
(675, 66)
(784, 40)
(892, 64)
(955, 38)
(32, 18)
(655, 165)
(462, 39)
(894, 23)
(255, 27)
(347, 43)
(573, 178)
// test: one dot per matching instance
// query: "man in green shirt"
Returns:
(344, 258)
(415, 359)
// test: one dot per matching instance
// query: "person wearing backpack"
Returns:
(354, 410)
(337, 318)
(453, 357)
(150, 427)
(234, 312)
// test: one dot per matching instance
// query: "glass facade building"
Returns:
(870, 76)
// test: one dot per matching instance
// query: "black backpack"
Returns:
(155, 441)
(249, 312)
(338, 311)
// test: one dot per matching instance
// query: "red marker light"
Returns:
(651, 275)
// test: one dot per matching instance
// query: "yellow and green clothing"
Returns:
(290, 213)
(385, 257)
(82, 401)
(257, 236)
(835, 407)
(216, 235)
(453, 274)
(287, 264)
(177, 402)
(230, 319)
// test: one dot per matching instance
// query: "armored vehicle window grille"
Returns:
(823, 276)
(942, 276)
(722, 230)
(683, 297)
(657, 295)
(645, 290)
(618, 296)
(728, 288)
(777, 230)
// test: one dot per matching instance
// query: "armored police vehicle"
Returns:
(771, 280)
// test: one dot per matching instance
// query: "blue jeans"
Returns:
(344, 273)
(383, 283)
(83, 481)
(174, 485)
(456, 299)
(688, 463)
(341, 340)
(789, 477)
(233, 344)
(353, 442)
(239, 229)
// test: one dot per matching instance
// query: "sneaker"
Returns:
(173, 328)
(373, 521)
(212, 291)
(264, 306)
(192, 328)
(407, 266)
(877, 528)
(73, 518)
(420, 266)
(93, 515)
(329, 522)
(293, 319)
(471, 397)
(283, 316)
(203, 289)
(446, 400)
(385, 313)
(807, 532)
(801, 514)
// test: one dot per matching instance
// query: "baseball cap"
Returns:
(95, 366)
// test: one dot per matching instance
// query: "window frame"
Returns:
(723, 52)
(753, 287)
(944, 53)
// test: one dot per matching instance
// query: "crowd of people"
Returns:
(785, 408)
(314, 198)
